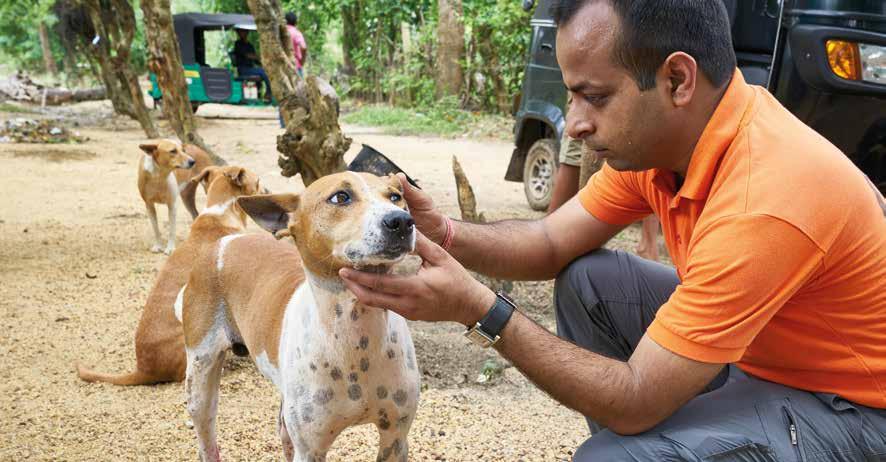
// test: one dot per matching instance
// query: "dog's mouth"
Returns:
(389, 255)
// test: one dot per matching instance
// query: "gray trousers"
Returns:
(606, 300)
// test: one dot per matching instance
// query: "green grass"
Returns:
(14, 108)
(435, 121)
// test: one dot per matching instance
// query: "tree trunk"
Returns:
(114, 24)
(166, 63)
(313, 144)
(350, 38)
(450, 47)
(48, 60)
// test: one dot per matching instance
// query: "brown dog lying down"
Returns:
(164, 171)
(159, 341)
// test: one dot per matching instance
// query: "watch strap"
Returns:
(498, 316)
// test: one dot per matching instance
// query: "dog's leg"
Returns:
(393, 429)
(152, 215)
(170, 244)
(310, 429)
(288, 449)
(201, 386)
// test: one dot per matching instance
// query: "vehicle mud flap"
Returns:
(515, 167)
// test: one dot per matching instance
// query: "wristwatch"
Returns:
(487, 331)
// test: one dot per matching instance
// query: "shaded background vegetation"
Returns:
(372, 50)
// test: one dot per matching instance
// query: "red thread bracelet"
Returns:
(450, 234)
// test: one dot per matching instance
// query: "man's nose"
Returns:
(398, 224)
(579, 125)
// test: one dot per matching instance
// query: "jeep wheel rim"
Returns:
(540, 179)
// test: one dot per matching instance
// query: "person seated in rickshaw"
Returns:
(246, 61)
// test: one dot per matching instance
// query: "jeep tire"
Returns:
(539, 171)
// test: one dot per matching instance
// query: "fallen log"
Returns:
(20, 87)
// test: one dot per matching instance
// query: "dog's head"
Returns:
(224, 183)
(168, 154)
(346, 219)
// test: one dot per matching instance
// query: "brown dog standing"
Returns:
(159, 342)
(163, 171)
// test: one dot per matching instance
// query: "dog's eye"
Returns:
(396, 197)
(340, 198)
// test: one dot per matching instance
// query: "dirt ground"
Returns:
(75, 271)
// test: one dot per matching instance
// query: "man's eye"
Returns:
(396, 197)
(596, 100)
(340, 198)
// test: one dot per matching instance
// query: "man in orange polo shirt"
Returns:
(768, 340)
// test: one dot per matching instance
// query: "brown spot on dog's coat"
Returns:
(354, 392)
(364, 342)
(323, 396)
(335, 373)
(391, 353)
(352, 377)
(364, 364)
(399, 397)
(381, 392)
(354, 314)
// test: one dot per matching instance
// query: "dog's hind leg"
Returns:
(152, 216)
(201, 385)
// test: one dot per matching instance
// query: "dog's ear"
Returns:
(204, 176)
(270, 211)
(150, 148)
(236, 175)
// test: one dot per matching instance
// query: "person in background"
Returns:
(299, 46)
(247, 62)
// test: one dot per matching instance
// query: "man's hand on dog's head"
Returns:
(428, 219)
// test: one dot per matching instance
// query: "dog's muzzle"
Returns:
(399, 230)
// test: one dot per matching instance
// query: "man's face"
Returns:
(242, 34)
(617, 121)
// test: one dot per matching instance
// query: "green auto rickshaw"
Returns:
(207, 58)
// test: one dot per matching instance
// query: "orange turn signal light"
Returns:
(844, 58)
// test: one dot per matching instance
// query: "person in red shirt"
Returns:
(299, 46)
(767, 338)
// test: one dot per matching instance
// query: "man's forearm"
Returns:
(596, 386)
(510, 249)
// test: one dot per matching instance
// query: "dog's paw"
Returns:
(168, 250)
(157, 248)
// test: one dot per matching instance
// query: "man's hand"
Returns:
(427, 219)
(442, 290)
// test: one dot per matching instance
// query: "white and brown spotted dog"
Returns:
(336, 363)
(164, 170)
(159, 341)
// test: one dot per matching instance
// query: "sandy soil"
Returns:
(75, 270)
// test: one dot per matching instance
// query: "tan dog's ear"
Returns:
(189, 191)
(236, 175)
(271, 212)
(205, 175)
(150, 148)
(395, 182)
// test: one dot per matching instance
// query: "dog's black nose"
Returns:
(398, 223)
(191, 163)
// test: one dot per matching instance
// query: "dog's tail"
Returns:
(132, 378)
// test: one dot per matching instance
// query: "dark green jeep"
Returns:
(825, 60)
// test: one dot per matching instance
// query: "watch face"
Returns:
(476, 335)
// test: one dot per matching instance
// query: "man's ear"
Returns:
(682, 77)
(236, 175)
(150, 148)
(270, 211)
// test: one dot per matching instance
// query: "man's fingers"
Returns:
(390, 284)
(372, 298)
(428, 250)
(415, 198)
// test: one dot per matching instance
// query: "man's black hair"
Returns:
(653, 29)
(291, 18)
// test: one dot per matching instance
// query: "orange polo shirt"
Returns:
(780, 245)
